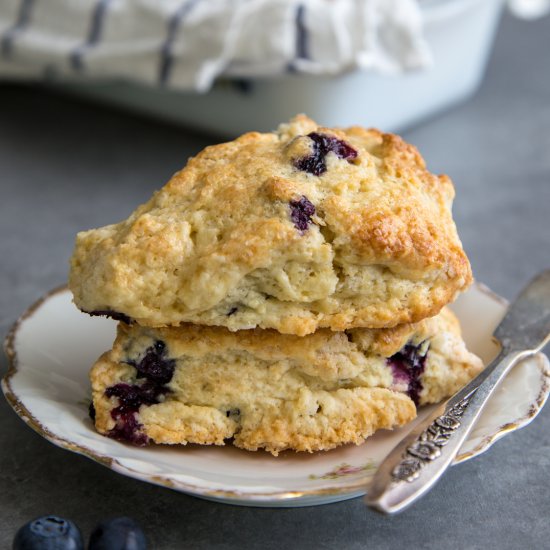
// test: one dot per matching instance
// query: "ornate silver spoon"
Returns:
(421, 458)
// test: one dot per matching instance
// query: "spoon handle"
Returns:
(422, 457)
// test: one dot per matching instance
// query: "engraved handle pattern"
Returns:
(415, 465)
(428, 445)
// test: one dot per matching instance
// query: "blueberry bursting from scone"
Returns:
(301, 212)
(293, 230)
(261, 389)
(153, 371)
(408, 366)
(323, 144)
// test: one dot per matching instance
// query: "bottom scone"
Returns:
(262, 389)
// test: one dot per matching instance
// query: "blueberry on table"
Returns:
(48, 533)
(118, 534)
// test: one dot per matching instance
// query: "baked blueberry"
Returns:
(118, 534)
(48, 533)
(154, 365)
(130, 398)
(301, 212)
(157, 371)
(127, 428)
(407, 366)
(323, 145)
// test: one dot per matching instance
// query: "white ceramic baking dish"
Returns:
(460, 34)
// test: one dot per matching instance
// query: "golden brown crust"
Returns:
(197, 340)
(380, 250)
(355, 415)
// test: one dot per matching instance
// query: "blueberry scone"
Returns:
(294, 230)
(262, 389)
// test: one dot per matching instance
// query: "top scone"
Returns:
(302, 228)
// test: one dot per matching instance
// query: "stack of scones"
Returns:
(285, 290)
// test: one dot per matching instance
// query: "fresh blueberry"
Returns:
(301, 212)
(48, 533)
(117, 316)
(118, 534)
(323, 145)
(407, 366)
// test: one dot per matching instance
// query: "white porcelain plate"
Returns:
(53, 345)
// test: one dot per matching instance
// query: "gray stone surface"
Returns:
(67, 165)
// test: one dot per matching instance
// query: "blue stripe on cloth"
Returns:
(301, 49)
(97, 23)
(22, 21)
(302, 37)
(174, 24)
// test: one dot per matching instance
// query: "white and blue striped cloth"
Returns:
(187, 44)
